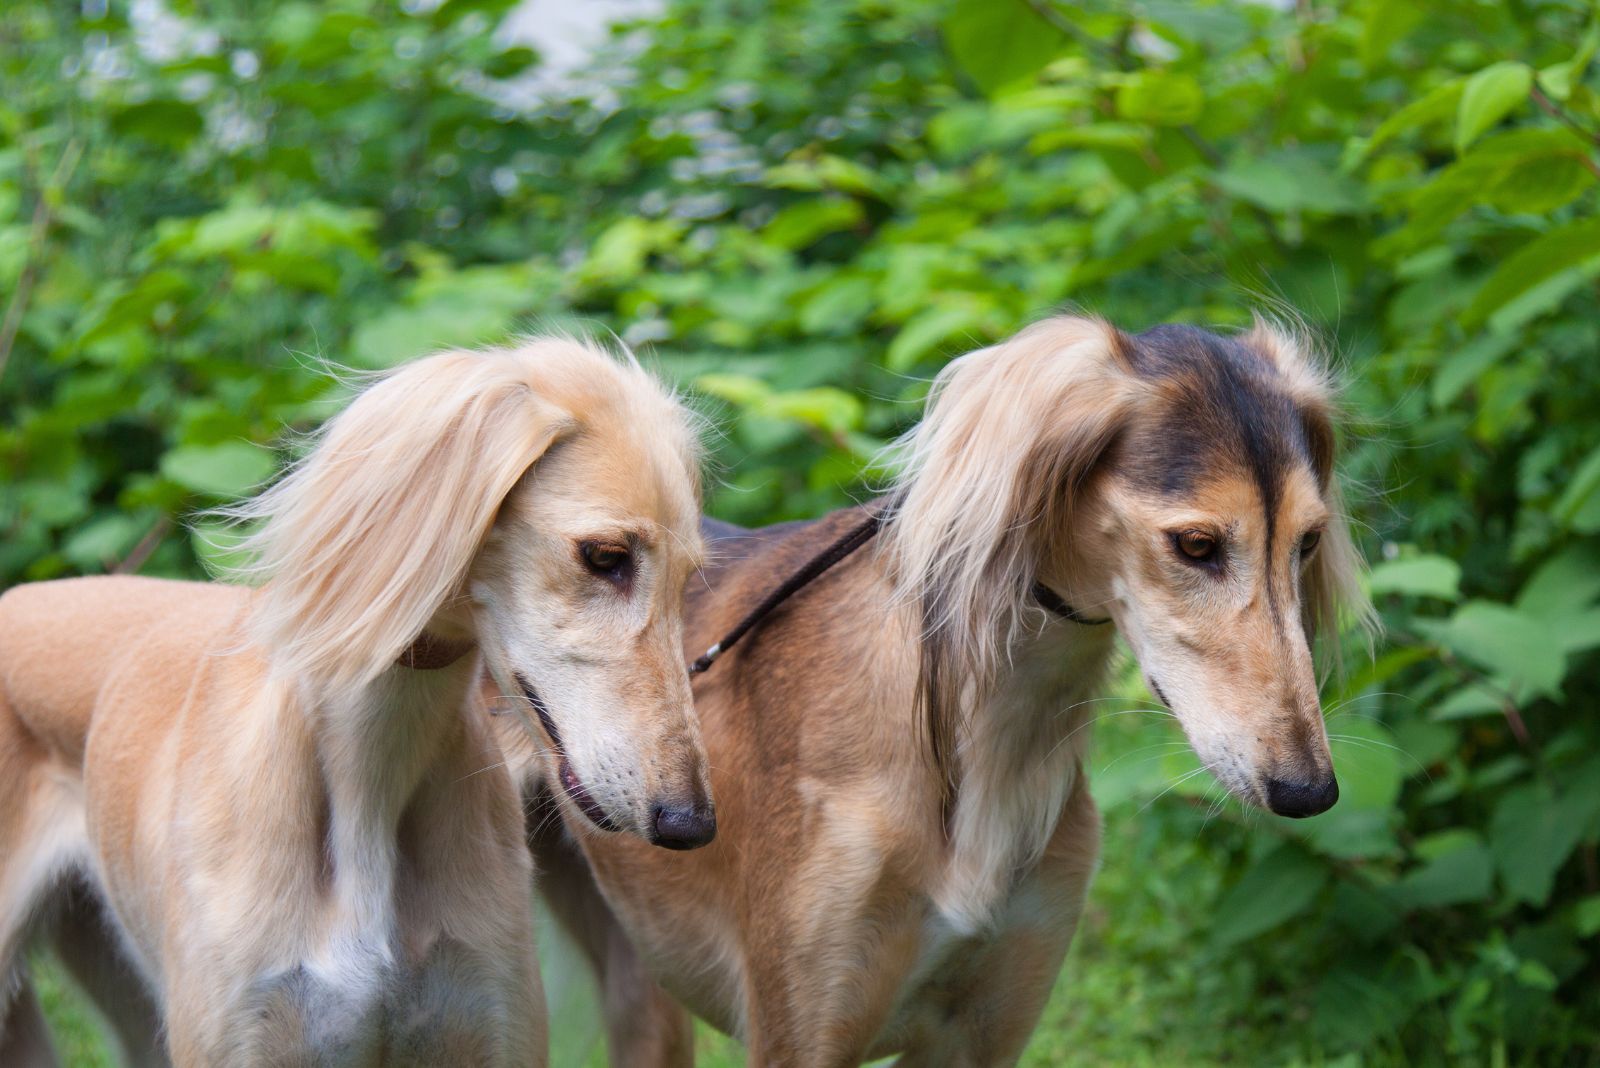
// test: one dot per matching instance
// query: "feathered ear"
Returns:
(368, 536)
(1333, 597)
(986, 480)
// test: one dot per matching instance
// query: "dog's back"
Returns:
(61, 641)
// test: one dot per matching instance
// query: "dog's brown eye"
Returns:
(1309, 543)
(603, 559)
(1196, 545)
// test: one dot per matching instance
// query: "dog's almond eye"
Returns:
(1309, 543)
(1196, 545)
(604, 559)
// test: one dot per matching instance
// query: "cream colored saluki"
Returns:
(287, 802)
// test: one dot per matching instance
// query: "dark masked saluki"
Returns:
(906, 833)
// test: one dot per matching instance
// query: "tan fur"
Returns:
(309, 853)
(897, 752)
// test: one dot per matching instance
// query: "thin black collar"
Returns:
(1051, 602)
(818, 565)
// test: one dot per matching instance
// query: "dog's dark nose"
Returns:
(684, 827)
(1299, 799)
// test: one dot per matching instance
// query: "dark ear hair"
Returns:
(1332, 591)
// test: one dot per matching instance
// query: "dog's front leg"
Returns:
(826, 963)
(992, 1007)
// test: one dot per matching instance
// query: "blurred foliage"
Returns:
(802, 208)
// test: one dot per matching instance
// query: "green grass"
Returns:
(1141, 986)
(74, 1024)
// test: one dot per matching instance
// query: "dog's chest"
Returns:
(951, 967)
(441, 1009)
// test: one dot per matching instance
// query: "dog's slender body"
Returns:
(898, 751)
(288, 804)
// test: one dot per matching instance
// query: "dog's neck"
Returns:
(380, 748)
(431, 652)
(1021, 748)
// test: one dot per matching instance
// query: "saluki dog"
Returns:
(897, 751)
(285, 801)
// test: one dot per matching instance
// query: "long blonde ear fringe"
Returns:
(1010, 432)
(366, 538)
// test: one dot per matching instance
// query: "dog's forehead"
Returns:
(1220, 408)
(1233, 498)
(650, 481)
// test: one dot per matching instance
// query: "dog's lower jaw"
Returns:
(579, 795)
(570, 783)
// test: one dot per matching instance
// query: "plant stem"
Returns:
(38, 230)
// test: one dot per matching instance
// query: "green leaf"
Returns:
(1468, 182)
(618, 255)
(1291, 181)
(1424, 742)
(1438, 104)
(1565, 585)
(230, 469)
(1521, 647)
(1462, 874)
(823, 407)
(812, 174)
(1558, 79)
(1349, 833)
(928, 329)
(1382, 668)
(1572, 246)
(1532, 834)
(1586, 916)
(446, 308)
(1281, 886)
(510, 63)
(104, 541)
(1489, 96)
(999, 43)
(1160, 97)
(1426, 575)
(167, 122)
(1464, 367)
(839, 307)
(1579, 506)
(1469, 701)
(743, 390)
(800, 225)
(1358, 1002)
(1531, 973)
(1540, 184)
(1367, 761)
(1120, 135)
(1441, 843)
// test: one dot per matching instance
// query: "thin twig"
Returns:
(147, 545)
(1509, 707)
(38, 230)
(1047, 12)
(1550, 108)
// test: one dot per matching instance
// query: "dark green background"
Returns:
(799, 210)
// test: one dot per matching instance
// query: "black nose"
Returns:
(1300, 799)
(687, 827)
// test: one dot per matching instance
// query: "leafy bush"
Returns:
(802, 208)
